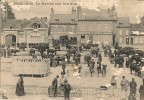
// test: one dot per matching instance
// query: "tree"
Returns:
(8, 11)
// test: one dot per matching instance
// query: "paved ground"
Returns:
(36, 88)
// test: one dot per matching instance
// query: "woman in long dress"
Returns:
(20, 87)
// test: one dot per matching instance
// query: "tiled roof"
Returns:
(123, 22)
(63, 18)
(17, 24)
(137, 27)
(12, 22)
(89, 14)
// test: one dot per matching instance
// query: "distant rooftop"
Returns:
(123, 22)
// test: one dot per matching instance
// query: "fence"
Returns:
(87, 93)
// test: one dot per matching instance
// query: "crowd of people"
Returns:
(74, 54)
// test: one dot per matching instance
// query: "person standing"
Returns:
(63, 67)
(68, 57)
(103, 69)
(67, 89)
(98, 69)
(54, 85)
(113, 84)
(51, 60)
(62, 79)
(133, 86)
(20, 87)
(124, 87)
(141, 91)
(79, 68)
(91, 67)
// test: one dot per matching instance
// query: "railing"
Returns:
(87, 93)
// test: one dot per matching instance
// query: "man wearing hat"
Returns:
(141, 91)
(54, 85)
(67, 89)
(124, 87)
(133, 86)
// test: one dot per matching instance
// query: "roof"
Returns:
(137, 27)
(123, 22)
(89, 14)
(63, 18)
(12, 22)
(17, 24)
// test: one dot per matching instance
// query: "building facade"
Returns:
(96, 26)
(63, 24)
(81, 24)
(24, 31)
(123, 31)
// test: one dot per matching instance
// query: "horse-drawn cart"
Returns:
(30, 67)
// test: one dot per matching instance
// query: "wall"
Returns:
(122, 34)
(59, 30)
(97, 31)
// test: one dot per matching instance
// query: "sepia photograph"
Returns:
(71, 50)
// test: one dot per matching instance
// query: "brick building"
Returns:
(123, 31)
(25, 31)
(63, 24)
(137, 34)
(96, 26)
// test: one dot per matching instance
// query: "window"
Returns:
(127, 32)
(82, 38)
(11, 27)
(140, 40)
(106, 27)
(136, 40)
(73, 20)
(120, 40)
(57, 20)
(35, 26)
(120, 32)
(63, 28)
(71, 29)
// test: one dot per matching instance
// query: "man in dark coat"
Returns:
(141, 91)
(133, 86)
(63, 67)
(67, 89)
(51, 60)
(68, 57)
(88, 58)
(54, 85)
(91, 66)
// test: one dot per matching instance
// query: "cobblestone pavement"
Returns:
(36, 88)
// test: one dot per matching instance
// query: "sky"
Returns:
(125, 8)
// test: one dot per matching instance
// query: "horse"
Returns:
(51, 51)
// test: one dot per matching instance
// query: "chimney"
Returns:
(52, 11)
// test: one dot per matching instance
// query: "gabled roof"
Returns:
(89, 14)
(63, 18)
(123, 22)
(38, 21)
(17, 24)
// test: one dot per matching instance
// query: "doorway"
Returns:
(10, 40)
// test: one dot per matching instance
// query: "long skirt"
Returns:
(20, 90)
